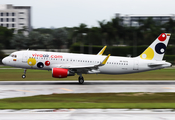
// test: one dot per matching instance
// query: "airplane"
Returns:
(69, 64)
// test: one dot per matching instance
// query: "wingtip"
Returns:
(102, 51)
(106, 59)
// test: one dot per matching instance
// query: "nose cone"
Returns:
(4, 61)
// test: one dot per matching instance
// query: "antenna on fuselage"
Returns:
(28, 49)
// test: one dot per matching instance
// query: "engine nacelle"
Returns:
(61, 73)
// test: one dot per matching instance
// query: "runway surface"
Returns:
(12, 89)
(88, 114)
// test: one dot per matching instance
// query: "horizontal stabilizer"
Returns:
(157, 64)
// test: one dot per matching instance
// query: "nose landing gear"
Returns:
(24, 75)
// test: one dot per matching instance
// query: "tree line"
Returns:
(109, 33)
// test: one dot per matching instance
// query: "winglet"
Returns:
(105, 60)
(102, 50)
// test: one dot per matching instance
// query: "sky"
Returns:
(71, 13)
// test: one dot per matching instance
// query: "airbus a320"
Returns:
(68, 64)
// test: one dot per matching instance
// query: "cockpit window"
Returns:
(13, 55)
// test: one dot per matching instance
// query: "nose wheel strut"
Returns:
(24, 75)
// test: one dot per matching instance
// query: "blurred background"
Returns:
(126, 27)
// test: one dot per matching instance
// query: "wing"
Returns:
(83, 67)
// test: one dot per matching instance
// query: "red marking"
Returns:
(162, 37)
(37, 55)
(34, 55)
(56, 56)
(47, 63)
(51, 56)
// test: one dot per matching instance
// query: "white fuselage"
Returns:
(114, 65)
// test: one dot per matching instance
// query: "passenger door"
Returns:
(24, 57)
(136, 65)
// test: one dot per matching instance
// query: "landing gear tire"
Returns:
(23, 76)
(81, 80)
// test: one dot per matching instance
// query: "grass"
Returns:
(92, 100)
(43, 75)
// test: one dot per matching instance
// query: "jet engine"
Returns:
(61, 73)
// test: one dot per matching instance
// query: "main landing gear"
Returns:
(81, 79)
(24, 75)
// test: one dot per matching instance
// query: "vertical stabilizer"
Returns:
(157, 49)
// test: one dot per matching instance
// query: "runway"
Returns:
(10, 89)
(88, 114)
(90, 82)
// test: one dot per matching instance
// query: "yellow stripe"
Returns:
(102, 51)
(24, 91)
(106, 59)
(66, 89)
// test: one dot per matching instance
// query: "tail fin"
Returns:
(157, 49)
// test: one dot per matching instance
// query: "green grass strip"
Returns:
(44, 75)
(92, 101)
